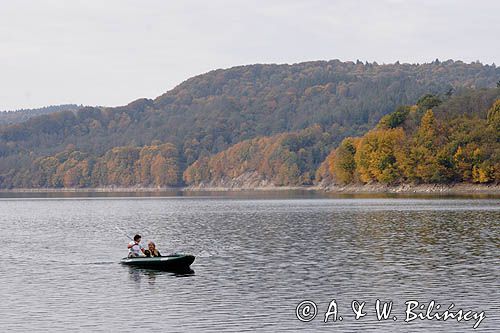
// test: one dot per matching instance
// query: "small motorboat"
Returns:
(172, 262)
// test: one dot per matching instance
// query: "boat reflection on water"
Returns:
(137, 274)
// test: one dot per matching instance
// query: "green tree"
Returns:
(494, 117)
(344, 165)
(428, 102)
(396, 118)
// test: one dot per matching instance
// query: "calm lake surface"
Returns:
(257, 258)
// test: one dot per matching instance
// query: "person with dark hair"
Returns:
(135, 249)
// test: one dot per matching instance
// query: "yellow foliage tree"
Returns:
(376, 155)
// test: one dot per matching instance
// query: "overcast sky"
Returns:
(109, 52)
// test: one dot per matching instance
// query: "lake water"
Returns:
(257, 258)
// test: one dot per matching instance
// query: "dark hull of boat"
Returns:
(177, 262)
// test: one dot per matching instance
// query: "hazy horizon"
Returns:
(94, 53)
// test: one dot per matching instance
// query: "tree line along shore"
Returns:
(325, 125)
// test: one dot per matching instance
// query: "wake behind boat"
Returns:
(172, 262)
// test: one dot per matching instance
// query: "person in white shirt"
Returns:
(135, 249)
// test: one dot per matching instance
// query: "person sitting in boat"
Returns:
(135, 249)
(152, 251)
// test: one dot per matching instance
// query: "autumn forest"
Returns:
(282, 125)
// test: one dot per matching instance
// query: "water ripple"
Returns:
(256, 260)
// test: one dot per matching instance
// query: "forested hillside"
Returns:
(458, 142)
(280, 160)
(149, 166)
(424, 143)
(18, 116)
(434, 141)
(209, 113)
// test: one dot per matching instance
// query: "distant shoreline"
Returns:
(461, 188)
